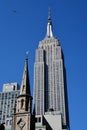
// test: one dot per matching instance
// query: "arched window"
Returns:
(22, 103)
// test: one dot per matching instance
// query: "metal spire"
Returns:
(49, 25)
(49, 14)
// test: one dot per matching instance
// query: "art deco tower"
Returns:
(50, 90)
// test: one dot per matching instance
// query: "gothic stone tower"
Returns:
(22, 116)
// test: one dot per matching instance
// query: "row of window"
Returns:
(8, 95)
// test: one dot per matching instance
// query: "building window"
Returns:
(22, 103)
(7, 122)
(38, 119)
(10, 122)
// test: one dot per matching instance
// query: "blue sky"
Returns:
(22, 30)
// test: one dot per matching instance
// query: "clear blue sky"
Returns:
(23, 25)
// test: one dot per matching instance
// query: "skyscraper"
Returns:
(8, 98)
(50, 89)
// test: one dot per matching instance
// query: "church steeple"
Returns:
(25, 85)
(25, 98)
(49, 25)
(22, 118)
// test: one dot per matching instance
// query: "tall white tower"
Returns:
(50, 90)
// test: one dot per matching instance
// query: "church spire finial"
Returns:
(49, 25)
(27, 58)
(26, 55)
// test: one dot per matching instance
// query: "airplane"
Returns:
(14, 11)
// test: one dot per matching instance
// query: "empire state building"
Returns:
(50, 89)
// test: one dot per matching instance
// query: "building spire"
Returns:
(49, 25)
(25, 86)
